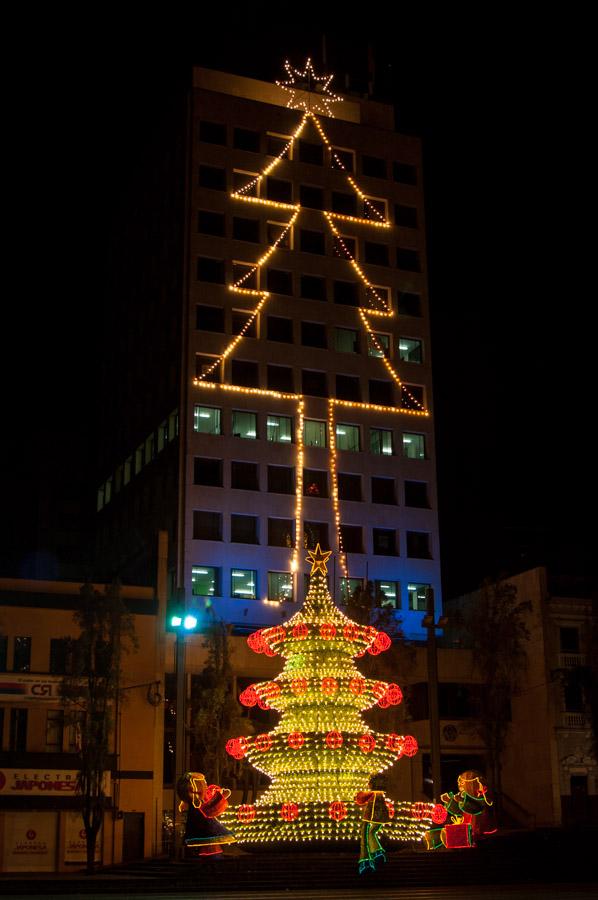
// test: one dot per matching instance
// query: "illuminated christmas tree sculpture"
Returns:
(321, 753)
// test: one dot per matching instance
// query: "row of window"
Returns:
(208, 472)
(21, 657)
(207, 582)
(314, 154)
(280, 429)
(312, 334)
(208, 526)
(61, 735)
(146, 451)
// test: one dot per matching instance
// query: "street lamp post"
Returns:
(430, 624)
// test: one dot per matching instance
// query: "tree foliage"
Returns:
(89, 692)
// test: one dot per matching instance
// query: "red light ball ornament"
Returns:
(351, 632)
(334, 740)
(263, 742)
(295, 740)
(236, 747)
(410, 746)
(262, 703)
(300, 631)
(394, 694)
(379, 689)
(384, 702)
(438, 814)
(382, 641)
(366, 743)
(370, 633)
(329, 686)
(275, 635)
(299, 686)
(256, 641)
(357, 686)
(289, 812)
(246, 813)
(249, 697)
(337, 810)
(394, 742)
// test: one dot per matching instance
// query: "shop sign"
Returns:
(30, 841)
(37, 782)
(25, 688)
(75, 845)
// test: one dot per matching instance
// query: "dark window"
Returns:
(385, 542)
(314, 383)
(280, 532)
(569, 639)
(244, 476)
(212, 177)
(344, 247)
(17, 737)
(207, 526)
(349, 486)
(312, 197)
(315, 483)
(315, 533)
(345, 157)
(412, 396)
(373, 166)
(281, 480)
(246, 229)
(207, 471)
(410, 304)
(280, 282)
(279, 190)
(376, 254)
(211, 270)
(408, 259)
(313, 334)
(406, 216)
(404, 173)
(346, 204)
(418, 545)
(313, 287)
(352, 538)
(275, 144)
(212, 133)
(205, 364)
(240, 318)
(458, 701)
(210, 223)
(279, 232)
(244, 139)
(3, 652)
(243, 529)
(383, 490)
(574, 700)
(381, 392)
(246, 182)
(245, 274)
(280, 378)
(280, 329)
(22, 655)
(416, 494)
(346, 293)
(312, 241)
(348, 387)
(60, 649)
(374, 209)
(209, 318)
(311, 153)
(245, 373)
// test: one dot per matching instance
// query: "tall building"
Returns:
(270, 384)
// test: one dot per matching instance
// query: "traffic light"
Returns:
(186, 617)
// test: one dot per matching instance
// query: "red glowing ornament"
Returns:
(275, 635)
(327, 631)
(357, 686)
(391, 808)
(300, 631)
(410, 746)
(384, 702)
(329, 686)
(299, 686)
(211, 790)
(246, 813)
(379, 689)
(249, 697)
(366, 743)
(337, 810)
(351, 632)
(263, 742)
(374, 650)
(295, 740)
(394, 742)
(394, 694)
(418, 810)
(270, 690)
(289, 812)
(382, 641)
(438, 814)
(263, 704)
(256, 641)
(334, 740)
(236, 747)
(369, 634)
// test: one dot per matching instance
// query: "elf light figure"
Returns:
(321, 754)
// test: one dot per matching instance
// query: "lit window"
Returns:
(347, 437)
(410, 350)
(206, 420)
(383, 341)
(381, 441)
(244, 424)
(418, 596)
(205, 581)
(314, 433)
(346, 340)
(243, 583)
(280, 586)
(348, 587)
(279, 429)
(388, 594)
(414, 446)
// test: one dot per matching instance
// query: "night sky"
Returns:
(510, 321)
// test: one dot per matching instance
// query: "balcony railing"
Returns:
(570, 660)
(574, 720)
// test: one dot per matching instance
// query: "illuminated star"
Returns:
(318, 559)
(308, 91)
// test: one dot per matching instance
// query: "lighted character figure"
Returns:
(374, 816)
(203, 831)
(470, 813)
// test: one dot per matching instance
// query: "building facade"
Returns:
(303, 405)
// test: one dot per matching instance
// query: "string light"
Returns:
(334, 484)
(307, 100)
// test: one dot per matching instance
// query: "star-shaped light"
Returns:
(308, 91)
(318, 559)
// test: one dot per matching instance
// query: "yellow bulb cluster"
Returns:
(334, 483)
(299, 489)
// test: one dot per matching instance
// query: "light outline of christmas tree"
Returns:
(320, 754)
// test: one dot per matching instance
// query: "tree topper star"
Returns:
(308, 91)
(318, 559)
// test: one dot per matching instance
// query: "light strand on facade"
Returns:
(239, 194)
(334, 485)
(298, 491)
